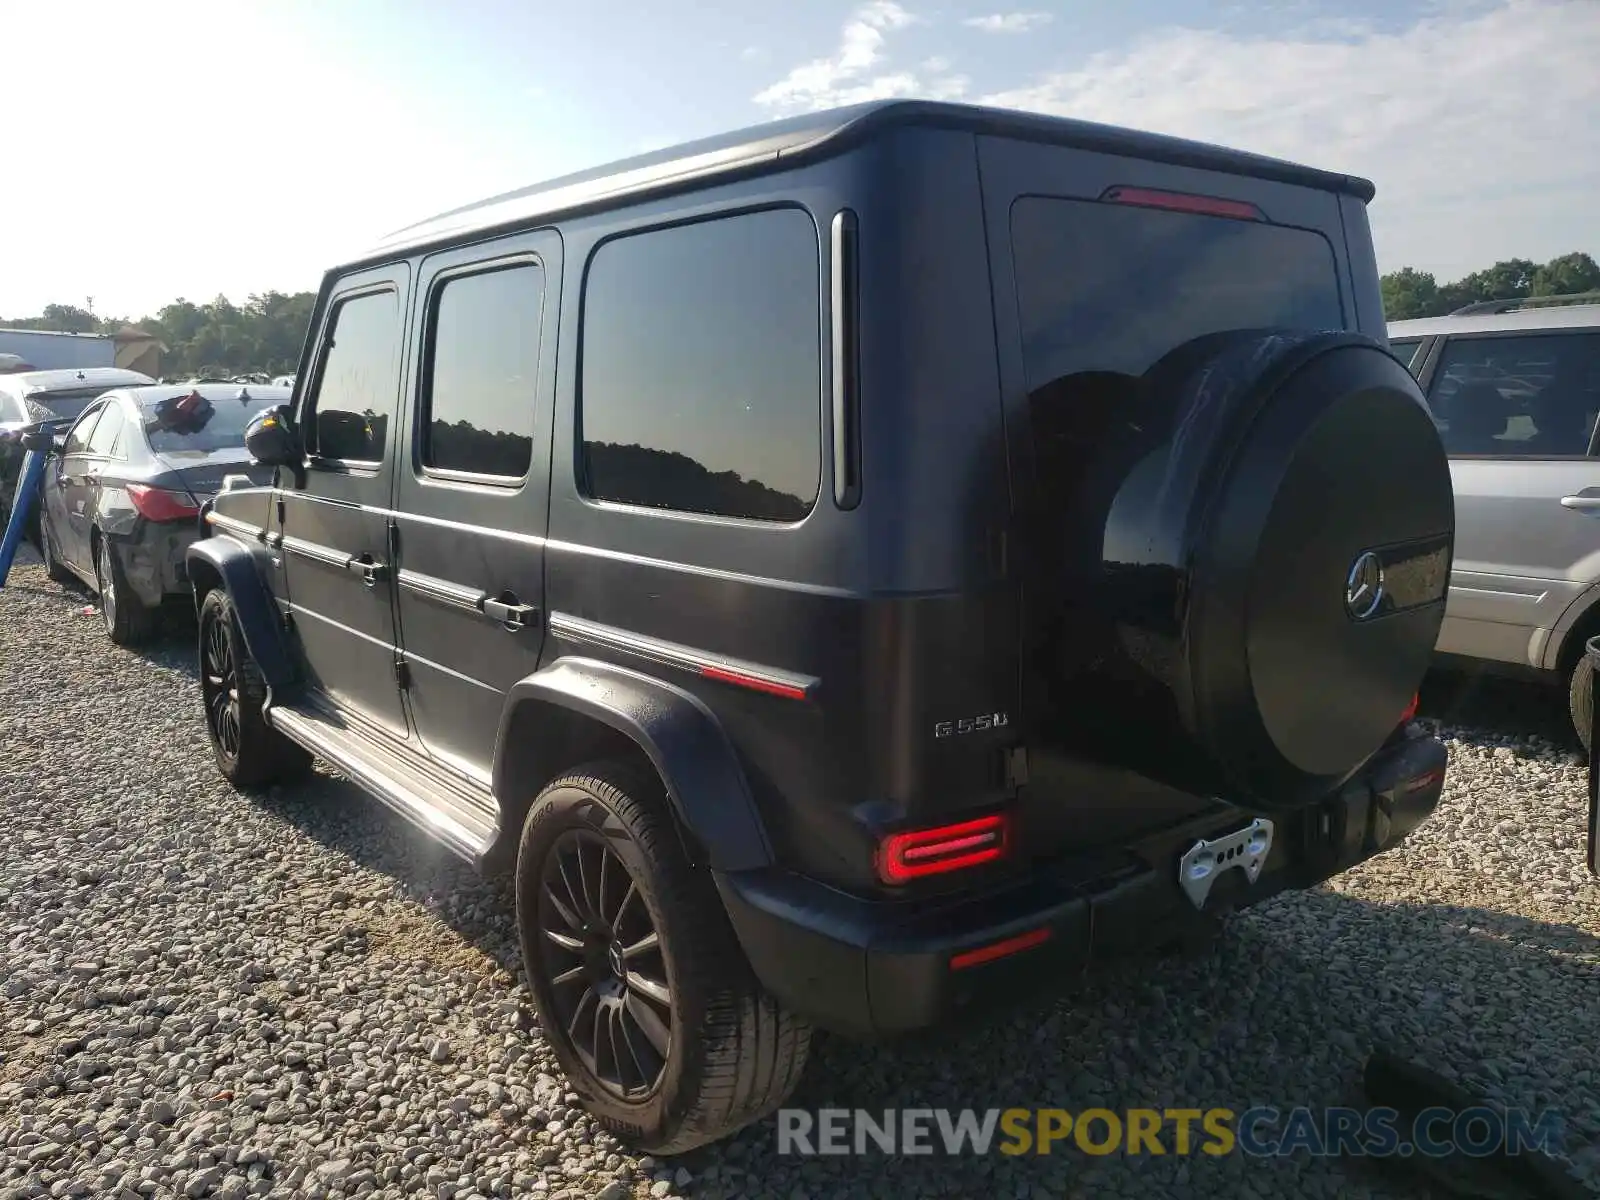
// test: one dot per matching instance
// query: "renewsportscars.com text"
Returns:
(1260, 1132)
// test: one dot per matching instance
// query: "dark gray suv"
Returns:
(848, 570)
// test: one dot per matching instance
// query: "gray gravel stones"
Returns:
(203, 994)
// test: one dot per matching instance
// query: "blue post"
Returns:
(21, 502)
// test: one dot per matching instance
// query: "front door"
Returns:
(473, 488)
(66, 492)
(339, 574)
(1517, 414)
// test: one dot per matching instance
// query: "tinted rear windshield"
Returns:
(65, 405)
(1112, 287)
(214, 425)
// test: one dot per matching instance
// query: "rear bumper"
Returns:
(154, 560)
(874, 969)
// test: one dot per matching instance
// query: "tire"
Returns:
(128, 622)
(1580, 698)
(53, 566)
(659, 958)
(249, 752)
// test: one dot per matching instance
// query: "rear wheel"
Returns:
(1580, 698)
(641, 987)
(128, 621)
(249, 752)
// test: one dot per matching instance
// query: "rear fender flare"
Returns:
(688, 748)
(220, 561)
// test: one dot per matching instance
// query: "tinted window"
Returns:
(360, 377)
(485, 357)
(107, 430)
(78, 436)
(63, 406)
(702, 371)
(1406, 352)
(1113, 288)
(173, 427)
(1535, 396)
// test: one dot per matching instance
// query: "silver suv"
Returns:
(1515, 388)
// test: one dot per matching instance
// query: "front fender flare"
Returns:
(685, 743)
(237, 572)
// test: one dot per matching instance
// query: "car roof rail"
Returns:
(1519, 302)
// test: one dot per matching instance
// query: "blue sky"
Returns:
(190, 147)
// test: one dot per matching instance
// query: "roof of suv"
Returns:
(1566, 316)
(827, 132)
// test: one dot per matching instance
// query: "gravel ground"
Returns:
(205, 994)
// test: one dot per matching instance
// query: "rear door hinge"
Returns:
(1014, 766)
(402, 674)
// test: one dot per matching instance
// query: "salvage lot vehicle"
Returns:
(122, 493)
(849, 570)
(1515, 388)
(36, 396)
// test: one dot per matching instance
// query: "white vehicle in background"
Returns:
(283, 381)
(43, 350)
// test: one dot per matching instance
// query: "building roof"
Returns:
(793, 141)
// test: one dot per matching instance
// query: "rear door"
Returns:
(473, 490)
(1102, 265)
(1517, 413)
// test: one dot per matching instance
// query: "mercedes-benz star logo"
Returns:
(1363, 589)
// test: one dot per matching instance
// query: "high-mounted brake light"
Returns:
(1209, 206)
(158, 504)
(903, 857)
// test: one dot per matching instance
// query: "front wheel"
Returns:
(640, 985)
(249, 752)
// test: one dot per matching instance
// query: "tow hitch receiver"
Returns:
(1203, 862)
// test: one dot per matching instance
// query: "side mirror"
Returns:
(271, 440)
(43, 441)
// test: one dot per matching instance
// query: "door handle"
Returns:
(1580, 501)
(510, 614)
(370, 570)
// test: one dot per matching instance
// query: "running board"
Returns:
(460, 817)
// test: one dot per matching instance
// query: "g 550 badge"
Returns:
(956, 728)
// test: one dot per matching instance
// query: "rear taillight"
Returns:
(158, 504)
(903, 857)
(1209, 206)
(1411, 709)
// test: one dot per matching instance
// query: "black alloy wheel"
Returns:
(602, 955)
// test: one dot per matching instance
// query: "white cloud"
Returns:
(1017, 22)
(1477, 123)
(850, 76)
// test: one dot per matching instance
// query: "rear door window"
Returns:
(78, 437)
(1113, 288)
(107, 431)
(1524, 396)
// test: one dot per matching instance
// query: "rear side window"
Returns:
(107, 431)
(482, 373)
(78, 438)
(1113, 288)
(359, 380)
(1407, 353)
(1531, 396)
(701, 368)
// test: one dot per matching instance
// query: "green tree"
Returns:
(1567, 276)
(1408, 294)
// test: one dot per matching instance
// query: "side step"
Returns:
(450, 810)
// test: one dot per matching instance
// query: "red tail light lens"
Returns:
(1209, 206)
(903, 857)
(1411, 709)
(158, 504)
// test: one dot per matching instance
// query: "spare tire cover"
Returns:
(1262, 556)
